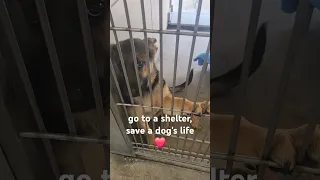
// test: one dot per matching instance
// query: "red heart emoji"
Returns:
(160, 142)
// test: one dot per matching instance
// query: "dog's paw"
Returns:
(313, 151)
(196, 127)
(203, 107)
(195, 124)
(283, 154)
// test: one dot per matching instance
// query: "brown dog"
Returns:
(156, 86)
(251, 139)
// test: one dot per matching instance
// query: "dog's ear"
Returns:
(152, 46)
(152, 41)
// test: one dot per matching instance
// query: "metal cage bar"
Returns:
(86, 32)
(176, 54)
(16, 154)
(204, 67)
(250, 39)
(257, 161)
(144, 24)
(190, 58)
(133, 49)
(90, 56)
(26, 83)
(121, 97)
(135, 105)
(300, 27)
(45, 25)
(161, 59)
(44, 21)
(123, 66)
(196, 155)
(185, 33)
(64, 137)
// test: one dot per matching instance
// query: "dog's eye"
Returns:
(140, 64)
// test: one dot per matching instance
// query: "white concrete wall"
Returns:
(134, 6)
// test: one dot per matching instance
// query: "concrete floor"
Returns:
(125, 168)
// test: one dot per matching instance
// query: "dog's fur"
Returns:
(142, 58)
(251, 139)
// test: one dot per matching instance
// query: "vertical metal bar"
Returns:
(300, 27)
(191, 53)
(122, 64)
(26, 82)
(90, 56)
(190, 63)
(9, 141)
(205, 153)
(118, 119)
(161, 60)
(203, 71)
(161, 53)
(134, 55)
(121, 98)
(175, 63)
(251, 34)
(176, 54)
(44, 21)
(194, 137)
(147, 52)
(203, 139)
(86, 32)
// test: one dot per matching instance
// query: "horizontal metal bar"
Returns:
(63, 137)
(190, 139)
(135, 105)
(207, 156)
(184, 33)
(256, 161)
(177, 162)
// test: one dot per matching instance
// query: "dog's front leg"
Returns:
(200, 107)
